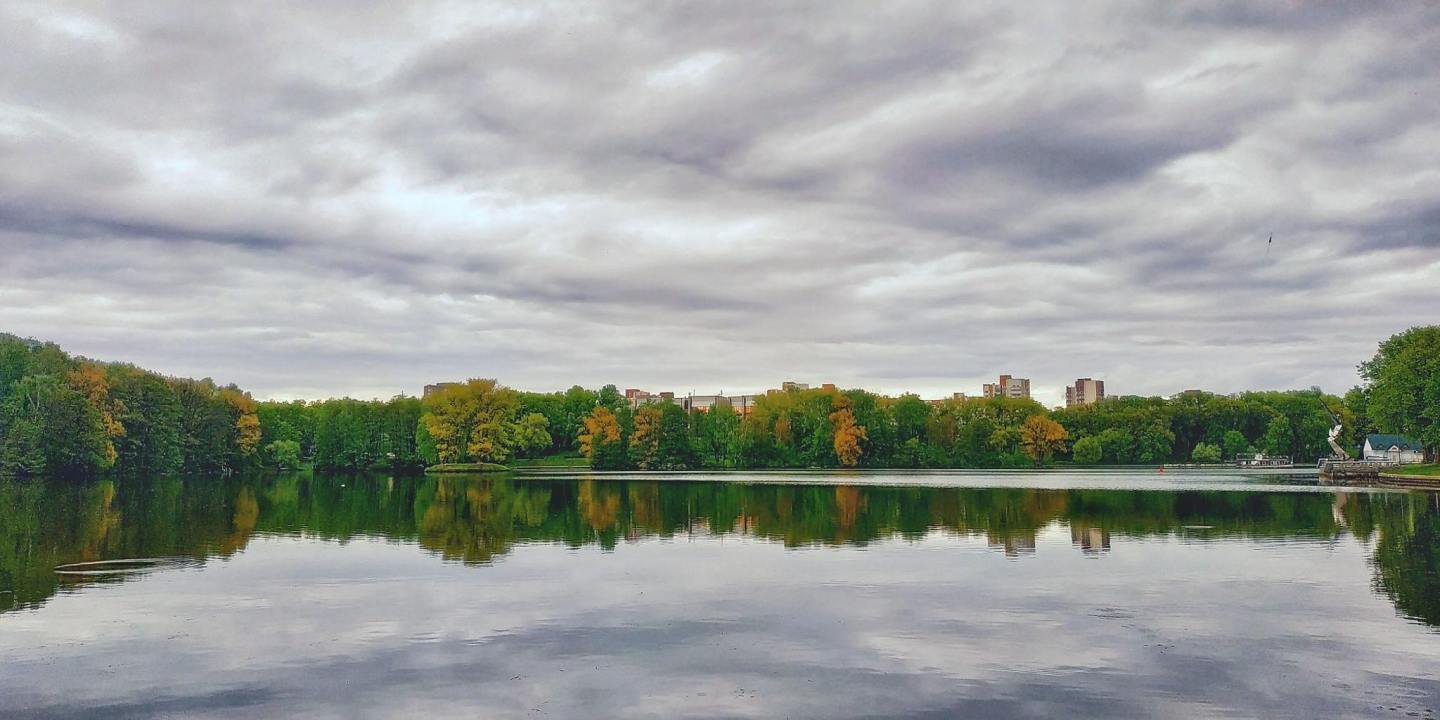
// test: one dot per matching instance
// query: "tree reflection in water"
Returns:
(473, 520)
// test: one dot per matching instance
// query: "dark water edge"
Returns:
(570, 594)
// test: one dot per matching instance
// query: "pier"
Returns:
(1343, 472)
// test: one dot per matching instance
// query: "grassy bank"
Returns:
(466, 468)
(1416, 470)
(552, 461)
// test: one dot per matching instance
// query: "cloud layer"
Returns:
(322, 200)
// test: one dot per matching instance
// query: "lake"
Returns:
(805, 594)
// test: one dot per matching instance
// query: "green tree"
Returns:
(532, 434)
(675, 450)
(1205, 453)
(1278, 436)
(1154, 443)
(151, 416)
(912, 416)
(1087, 451)
(283, 454)
(1403, 386)
(46, 425)
(1234, 444)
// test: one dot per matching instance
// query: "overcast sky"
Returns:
(319, 200)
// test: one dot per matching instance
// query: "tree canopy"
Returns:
(1402, 392)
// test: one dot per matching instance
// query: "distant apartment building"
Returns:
(742, 404)
(637, 397)
(792, 386)
(1085, 391)
(1011, 387)
(437, 387)
(958, 397)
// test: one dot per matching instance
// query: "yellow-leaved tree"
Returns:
(848, 436)
(645, 440)
(472, 421)
(1041, 437)
(89, 380)
(600, 439)
(247, 422)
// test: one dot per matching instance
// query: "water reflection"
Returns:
(473, 520)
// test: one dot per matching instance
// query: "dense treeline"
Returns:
(61, 415)
(475, 520)
(476, 421)
(68, 416)
(855, 428)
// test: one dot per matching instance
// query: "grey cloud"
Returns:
(711, 194)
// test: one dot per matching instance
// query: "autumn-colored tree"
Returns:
(1041, 437)
(601, 439)
(472, 421)
(247, 423)
(89, 380)
(848, 437)
(645, 440)
(600, 427)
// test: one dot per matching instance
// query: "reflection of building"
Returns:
(1090, 539)
(1085, 392)
(1395, 448)
(1011, 387)
(1015, 542)
(437, 387)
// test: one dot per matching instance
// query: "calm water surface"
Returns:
(779, 595)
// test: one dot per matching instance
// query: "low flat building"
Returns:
(1085, 391)
(1394, 448)
(638, 398)
(1011, 387)
(741, 404)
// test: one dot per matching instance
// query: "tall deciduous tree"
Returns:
(602, 439)
(848, 437)
(472, 421)
(1041, 437)
(1087, 451)
(1403, 393)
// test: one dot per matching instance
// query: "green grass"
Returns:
(1425, 470)
(466, 468)
(552, 461)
